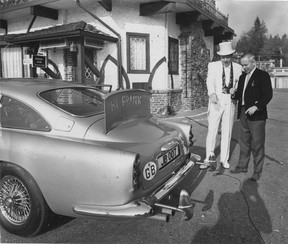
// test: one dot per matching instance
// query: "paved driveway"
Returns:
(229, 208)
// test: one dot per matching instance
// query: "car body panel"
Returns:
(78, 162)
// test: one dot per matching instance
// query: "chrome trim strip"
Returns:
(124, 211)
(174, 180)
(169, 145)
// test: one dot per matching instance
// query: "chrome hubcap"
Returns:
(15, 203)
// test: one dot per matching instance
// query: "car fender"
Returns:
(71, 172)
(182, 127)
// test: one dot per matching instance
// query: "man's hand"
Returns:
(213, 98)
(251, 110)
(232, 91)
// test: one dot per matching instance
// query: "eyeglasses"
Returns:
(226, 57)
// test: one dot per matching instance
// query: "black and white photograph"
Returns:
(144, 121)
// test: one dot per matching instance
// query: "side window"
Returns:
(16, 115)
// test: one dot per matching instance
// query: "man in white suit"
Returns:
(221, 83)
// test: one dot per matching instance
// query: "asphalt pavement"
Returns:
(229, 208)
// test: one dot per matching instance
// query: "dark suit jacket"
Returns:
(258, 92)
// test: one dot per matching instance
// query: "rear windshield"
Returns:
(76, 101)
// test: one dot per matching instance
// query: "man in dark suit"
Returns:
(254, 92)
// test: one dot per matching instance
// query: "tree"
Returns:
(284, 47)
(253, 40)
(257, 42)
(243, 44)
(275, 48)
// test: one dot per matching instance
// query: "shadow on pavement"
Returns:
(58, 221)
(234, 224)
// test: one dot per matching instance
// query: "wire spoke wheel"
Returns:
(15, 202)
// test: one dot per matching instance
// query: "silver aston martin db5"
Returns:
(72, 150)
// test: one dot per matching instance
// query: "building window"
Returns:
(173, 56)
(12, 62)
(88, 72)
(138, 53)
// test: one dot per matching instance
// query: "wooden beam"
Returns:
(45, 12)
(217, 31)
(80, 69)
(107, 4)
(52, 74)
(160, 7)
(187, 18)
(92, 67)
(3, 25)
(228, 36)
(207, 24)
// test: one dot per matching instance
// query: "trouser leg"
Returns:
(245, 139)
(258, 144)
(214, 116)
(226, 132)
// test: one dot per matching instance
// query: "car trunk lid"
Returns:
(160, 146)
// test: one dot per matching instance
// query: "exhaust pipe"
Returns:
(161, 216)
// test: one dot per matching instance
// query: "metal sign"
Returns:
(27, 61)
(124, 105)
(39, 61)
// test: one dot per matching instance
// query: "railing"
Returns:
(280, 71)
(9, 3)
(205, 5)
(210, 9)
(279, 82)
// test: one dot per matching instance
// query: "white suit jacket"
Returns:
(214, 78)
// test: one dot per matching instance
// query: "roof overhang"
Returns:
(207, 12)
(57, 32)
(197, 11)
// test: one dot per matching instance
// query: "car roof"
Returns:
(41, 84)
(31, 86)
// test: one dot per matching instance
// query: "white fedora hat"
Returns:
(225, 49)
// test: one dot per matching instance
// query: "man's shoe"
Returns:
(238, 169)
(212, 159)
(213, 166)
(255, 176)
(212, 162)
(225, 165)
(205, 164)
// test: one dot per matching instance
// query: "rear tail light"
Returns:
(191, 137)
(136, 173)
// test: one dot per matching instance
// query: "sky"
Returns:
(242, 14)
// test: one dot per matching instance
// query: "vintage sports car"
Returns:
(72, 150)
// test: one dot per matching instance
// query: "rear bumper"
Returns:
(142, 207)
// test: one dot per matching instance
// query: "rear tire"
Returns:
(23, 209)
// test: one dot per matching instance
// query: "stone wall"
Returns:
(68, 66)
(194, 61)
(164, 102)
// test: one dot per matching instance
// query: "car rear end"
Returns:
(161, 149)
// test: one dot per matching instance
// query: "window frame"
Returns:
(175, 41)
(147, 38)
(101, 95)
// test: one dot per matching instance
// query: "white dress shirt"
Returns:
(227, 74)
(247, 78)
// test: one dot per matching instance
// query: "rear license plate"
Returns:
(168, 157)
